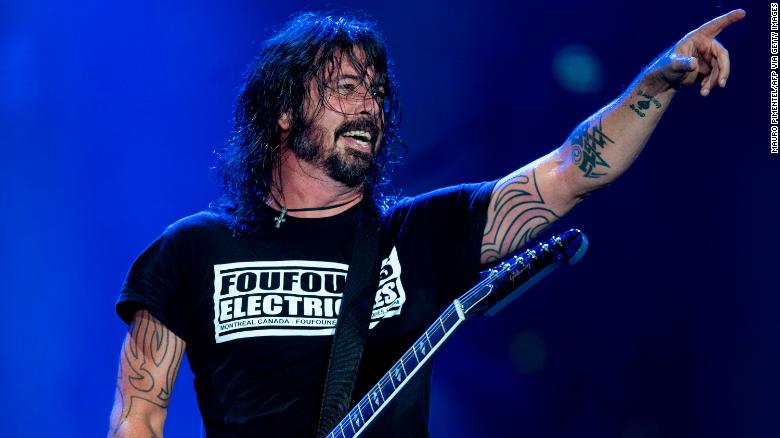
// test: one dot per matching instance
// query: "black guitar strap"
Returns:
(352, 326)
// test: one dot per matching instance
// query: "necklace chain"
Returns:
(279, 219)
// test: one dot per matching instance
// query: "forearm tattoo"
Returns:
(645, 102)
(587, 143)
(517, 214)
(149, 363)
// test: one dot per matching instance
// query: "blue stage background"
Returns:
(109, 113)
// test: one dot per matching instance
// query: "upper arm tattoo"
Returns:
(149, 363)
(517, 214)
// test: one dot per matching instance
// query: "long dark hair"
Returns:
(276, 83)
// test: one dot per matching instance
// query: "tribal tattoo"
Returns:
(642, 105)
(517, 215)
(149, 363)
(587, 144)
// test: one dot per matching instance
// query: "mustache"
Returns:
(364, 124)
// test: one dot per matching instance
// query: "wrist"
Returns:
(653, 82)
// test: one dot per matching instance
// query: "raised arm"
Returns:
(603, 146)
(148, 365)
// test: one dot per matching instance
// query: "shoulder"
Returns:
(466, 195)
(200, 220)
(202, 223)
(440, 208)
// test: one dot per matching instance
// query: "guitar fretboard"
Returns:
(499, 286)
(400, 373)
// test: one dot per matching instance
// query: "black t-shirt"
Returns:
(258, 311)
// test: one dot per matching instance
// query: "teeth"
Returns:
(363, 134)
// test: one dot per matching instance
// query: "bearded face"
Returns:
(347, 154)
(342, 130)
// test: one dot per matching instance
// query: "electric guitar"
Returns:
(498, 287)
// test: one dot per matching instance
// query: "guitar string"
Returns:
(449, 311)
(365, 400)
(501, 273)
(383, 383)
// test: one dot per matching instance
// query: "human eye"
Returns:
(346, 86)
(378, 91)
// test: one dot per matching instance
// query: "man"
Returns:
(252, 288)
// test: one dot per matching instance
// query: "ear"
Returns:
(284, 121)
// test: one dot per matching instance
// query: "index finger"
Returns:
(713, 27)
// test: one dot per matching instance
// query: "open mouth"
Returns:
(361, 138)
(360, 134)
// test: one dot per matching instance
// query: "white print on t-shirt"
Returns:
(293, 297)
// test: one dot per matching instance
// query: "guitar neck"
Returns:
(420, 353)
(498, 286)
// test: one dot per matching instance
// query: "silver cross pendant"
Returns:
(279, 219)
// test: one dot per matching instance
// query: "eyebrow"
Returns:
(374, 83)
(350, 76)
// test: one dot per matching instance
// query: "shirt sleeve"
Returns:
(449, 223)
(155, 283)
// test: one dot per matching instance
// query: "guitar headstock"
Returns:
(509, 278)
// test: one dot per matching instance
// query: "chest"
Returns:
(272, 299)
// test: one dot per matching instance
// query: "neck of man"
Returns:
(306, 185)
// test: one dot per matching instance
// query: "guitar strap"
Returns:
(352, 325)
